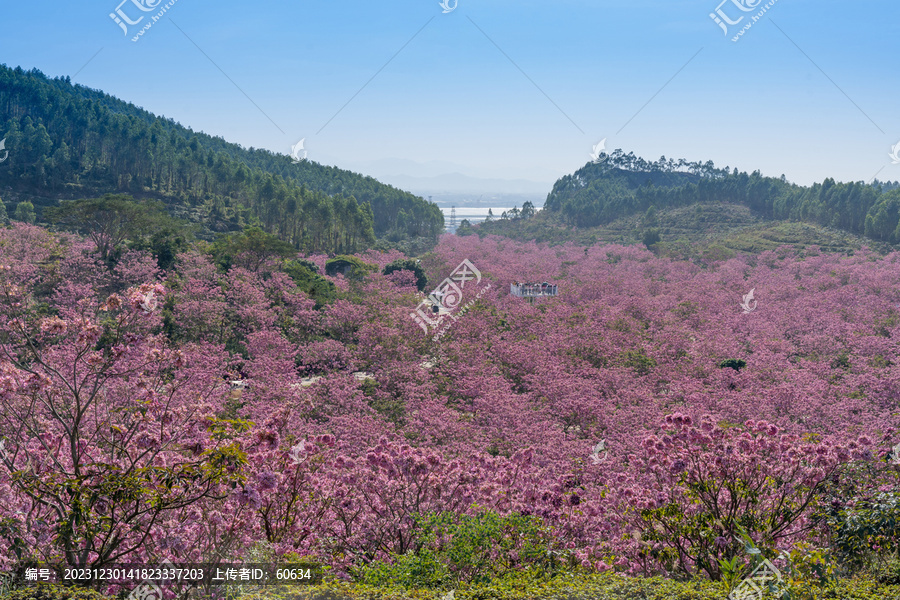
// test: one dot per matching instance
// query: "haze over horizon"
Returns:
(502, 90)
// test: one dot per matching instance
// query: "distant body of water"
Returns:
(474, 214)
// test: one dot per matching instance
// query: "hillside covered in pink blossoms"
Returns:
(196, 415)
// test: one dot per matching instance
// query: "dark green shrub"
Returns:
(733, 363)
(841, 361)
(348, 266)
(651, 237)
(637, 360)
(866, 536)
(314, 285)
(409, 264)
(465, 228)
(308, 264)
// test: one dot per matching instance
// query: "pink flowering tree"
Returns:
(107, 430)
(696, 488)
(374, 499)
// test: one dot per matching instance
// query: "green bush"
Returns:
(637, 360)
(249, 249)
(348, 266)
(409, 264)
(308, 264)
(733, 363)
(886, 571)
(465, 228)
(651, 237)
(314, 285)
(52, 592)
(478, 548)
(866, 536)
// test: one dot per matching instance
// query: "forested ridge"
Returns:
(69, 141)
(623, 185)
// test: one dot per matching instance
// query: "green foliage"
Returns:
(250, 249)
(732, 570)
(166, 243)
(465, 228)
(575, 586)
(841, 361)
(409, 264)
(882, 219)
(349, 266)
(886, 571)
(456, 549)
(717, 253)
(25, 212)
(733, 363)
(314, 285)
(867, 534)
(308, 264)
(885, 325)
(514, 214)
(637, 360)
(686, 309)
(52, 592)
(111, 220)
(651, 237)
(591, 355)
(712, 231)
(806, 563)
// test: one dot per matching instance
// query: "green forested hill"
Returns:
(625, 185)
(68, 141)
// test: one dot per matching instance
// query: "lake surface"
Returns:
(475, 214)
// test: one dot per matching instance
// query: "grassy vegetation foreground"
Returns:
(606, 586)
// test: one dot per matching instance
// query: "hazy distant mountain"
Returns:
(438, 177)
(459, 183)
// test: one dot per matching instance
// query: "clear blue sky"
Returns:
(451, 94)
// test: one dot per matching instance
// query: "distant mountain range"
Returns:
(458, 183)
(442, 177)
